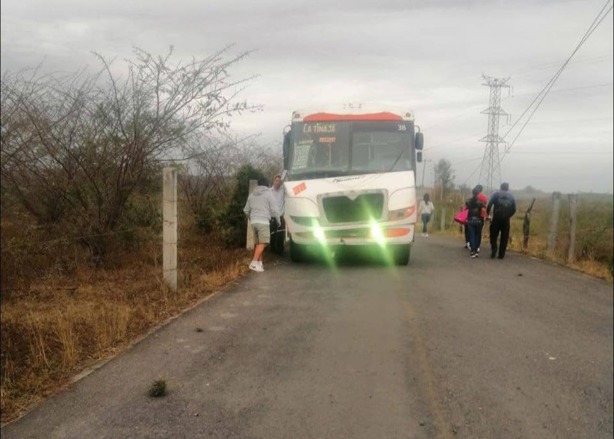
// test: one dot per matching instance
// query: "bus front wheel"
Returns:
(402, 254)
(297, 252)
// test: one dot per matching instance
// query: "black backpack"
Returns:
(474, 207)
(504, 208)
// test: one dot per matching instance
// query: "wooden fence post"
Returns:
(554, 221)
(442, 220)
(573, 204)
(249, 242)
(169, 228)
(526, 226)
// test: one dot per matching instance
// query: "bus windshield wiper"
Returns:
(396, 160)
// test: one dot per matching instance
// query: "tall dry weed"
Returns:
(593, 248)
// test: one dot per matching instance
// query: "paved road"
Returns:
(448, 347)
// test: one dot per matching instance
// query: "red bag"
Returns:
(461, 217)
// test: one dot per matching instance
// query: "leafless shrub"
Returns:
(212, 164)
(76, 148)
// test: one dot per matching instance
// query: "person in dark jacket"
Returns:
(475, 221)
(503, 205)
(278, 230)
(484, 200)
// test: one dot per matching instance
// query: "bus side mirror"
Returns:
(419, 141)
(419, 156)
(286, 149)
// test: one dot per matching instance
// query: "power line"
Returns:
(596, 22)
(456, 140)
(594, 119)
(559, 153)
(472, 174)
(468, 160)
(546, 66)
(463, 113)
(607, 84)
(459, 139)
(542, 94)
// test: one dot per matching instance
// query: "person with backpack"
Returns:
(484, 200)
(475, 221)
(504, 207)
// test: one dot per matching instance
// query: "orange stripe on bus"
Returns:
(326, 117)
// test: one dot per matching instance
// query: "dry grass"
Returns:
(538, 247)
(58, 324)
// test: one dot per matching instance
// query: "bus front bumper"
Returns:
(375, 234)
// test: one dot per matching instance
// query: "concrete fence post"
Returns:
(249, 242)
(554, 222)
(169, 228)
(573, 204)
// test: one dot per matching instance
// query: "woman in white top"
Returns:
(426, 210)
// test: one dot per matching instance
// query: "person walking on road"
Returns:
(278, 230)
(261, 206)
(484, 200)
(503, 204)
(475, 221)
(426, 211)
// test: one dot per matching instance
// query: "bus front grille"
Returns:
(341, 209)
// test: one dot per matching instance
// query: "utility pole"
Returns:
(490, 171)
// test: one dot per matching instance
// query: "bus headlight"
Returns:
(318, 233)
(377, 233)
(400, 214)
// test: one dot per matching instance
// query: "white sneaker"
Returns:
(256, 267)
(426, 235)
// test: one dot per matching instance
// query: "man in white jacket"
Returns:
(261, 206)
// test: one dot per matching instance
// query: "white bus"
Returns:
(350, 180)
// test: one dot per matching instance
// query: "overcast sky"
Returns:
(427, 56)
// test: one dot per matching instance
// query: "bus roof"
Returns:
(349, 113)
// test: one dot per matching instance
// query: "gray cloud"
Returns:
(427, 56)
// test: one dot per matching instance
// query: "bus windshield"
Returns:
(326, 149)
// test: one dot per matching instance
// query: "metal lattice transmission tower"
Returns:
(490, 171)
